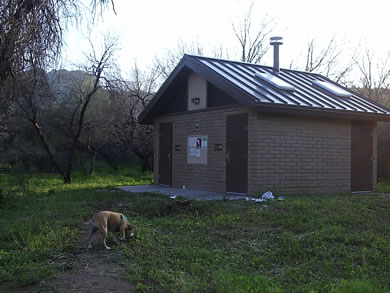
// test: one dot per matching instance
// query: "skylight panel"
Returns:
(275, 81)
(332, 88)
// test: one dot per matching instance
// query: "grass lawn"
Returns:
(337, 243)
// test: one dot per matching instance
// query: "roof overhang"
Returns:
(224, 82)
(319, 112)
(189, 64)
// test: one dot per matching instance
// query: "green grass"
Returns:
(40, 217)
(383, 186)
(337, 243)
(324, 244)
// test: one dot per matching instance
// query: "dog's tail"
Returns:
(87, 222)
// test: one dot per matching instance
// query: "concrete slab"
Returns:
(186, 193)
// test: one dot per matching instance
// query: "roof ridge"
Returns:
(251, 64)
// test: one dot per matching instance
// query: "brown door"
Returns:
(237, 153)
(165, 154)
(361, 156)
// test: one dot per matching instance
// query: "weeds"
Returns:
(41, 218)
(303, 244)
(337, 243)
(383, 186)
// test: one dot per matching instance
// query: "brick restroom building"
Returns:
(243, 128)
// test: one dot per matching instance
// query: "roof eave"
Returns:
(144, 117)
(295, 110)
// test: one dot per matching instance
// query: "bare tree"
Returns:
(98, 67)
(165, 64)
(31, 37)
(30, 91)
(374, 83)
(374, 77)
(31, 32)
(95, 140)
(253, 39)
(329, 61)
(36, 101)
(27, 28)
(128, 99)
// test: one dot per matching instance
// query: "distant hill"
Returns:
(62, 81)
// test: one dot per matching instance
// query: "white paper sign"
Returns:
(197, 149)
(192, 142)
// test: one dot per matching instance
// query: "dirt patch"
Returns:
(87, 270)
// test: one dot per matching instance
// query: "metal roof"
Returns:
(241, 81)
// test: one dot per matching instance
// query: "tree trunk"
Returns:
(144, 157)
(105, 157)
(46, 146)
(92, 164)
(68, 173)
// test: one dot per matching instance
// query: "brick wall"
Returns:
(286, 154)
(295, 154)
(198, 176)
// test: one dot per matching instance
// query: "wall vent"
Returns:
(197, 92)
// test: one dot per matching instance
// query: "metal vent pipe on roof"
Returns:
(276, 41)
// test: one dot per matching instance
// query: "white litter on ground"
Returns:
(266, 196)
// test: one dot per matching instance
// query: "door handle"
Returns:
(170, 156)
(228, 157)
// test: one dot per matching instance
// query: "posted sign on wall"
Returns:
(197, 149)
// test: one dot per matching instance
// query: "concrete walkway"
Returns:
(186, 193)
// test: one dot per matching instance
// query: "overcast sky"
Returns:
(148, 28)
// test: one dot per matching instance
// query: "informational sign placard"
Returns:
(197, 149)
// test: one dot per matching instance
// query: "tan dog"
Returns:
(106, 221)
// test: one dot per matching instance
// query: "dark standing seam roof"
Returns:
(262, 95)
(305, 95)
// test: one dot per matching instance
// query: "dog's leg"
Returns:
(93, 231)
(105, 237)
(114, 239)
(123, 234)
